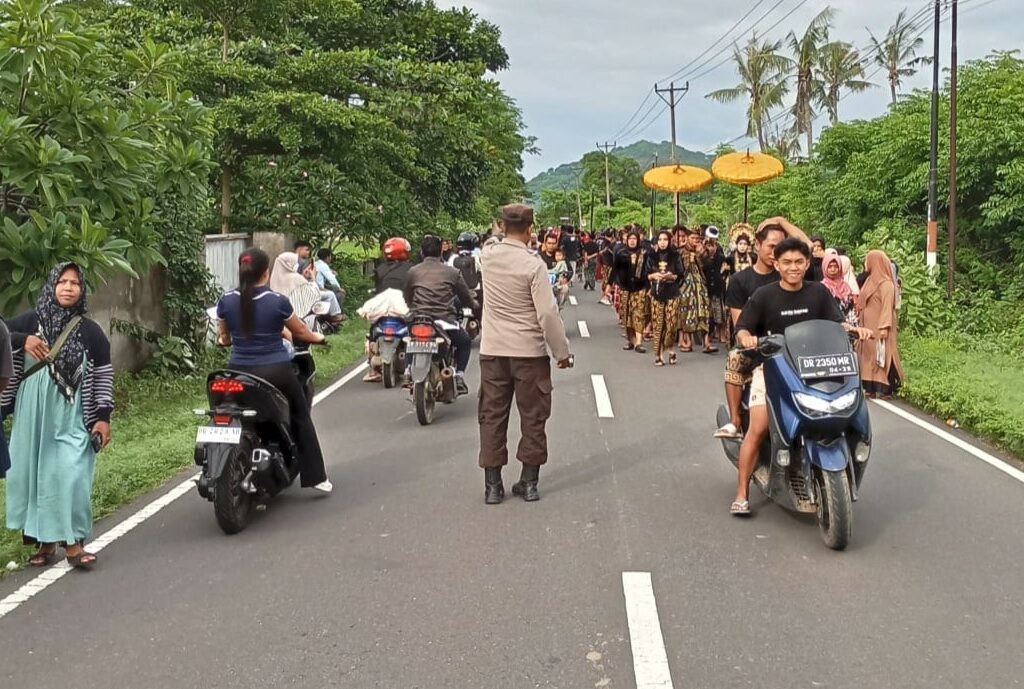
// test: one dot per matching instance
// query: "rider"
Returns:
(771, 310)
(392, 273)
(252, 319)
(467, 259)
(389, 275)
(431, 290)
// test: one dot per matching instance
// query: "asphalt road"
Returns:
(403, 578)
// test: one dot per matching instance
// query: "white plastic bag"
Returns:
(390, 302)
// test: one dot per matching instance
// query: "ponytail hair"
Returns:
(252, 266)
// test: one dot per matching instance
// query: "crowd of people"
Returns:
(677, 289)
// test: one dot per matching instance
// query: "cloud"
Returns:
(580, 68)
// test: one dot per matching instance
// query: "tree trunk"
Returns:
(225, 199)
(810, 138)
(892, 87)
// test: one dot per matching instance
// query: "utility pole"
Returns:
(590, 228)
(607, 149)
(951, 261)
(931, 255)
(672, 101)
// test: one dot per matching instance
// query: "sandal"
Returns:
(711, 350)
(672, 359)
(44, 558)
(686, 349)
(639, 349)
(659, 362)
(628, 347)
(84, 560)
(740, 508)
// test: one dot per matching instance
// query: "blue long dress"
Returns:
(50, 480)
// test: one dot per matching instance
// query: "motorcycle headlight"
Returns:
(815, 405)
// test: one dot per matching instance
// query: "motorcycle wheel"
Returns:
(389, 373)
(231, 504)
(423, 395)
(835, 509)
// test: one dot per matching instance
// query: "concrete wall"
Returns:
(138, 301)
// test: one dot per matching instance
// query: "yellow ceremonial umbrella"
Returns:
(677, 179)
(746, 169)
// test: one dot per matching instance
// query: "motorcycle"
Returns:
(320, 321)
(430, 364)
(387, 348)
(246, 452)
(470, 323)
(819, 440)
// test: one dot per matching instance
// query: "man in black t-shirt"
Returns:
(742, 286)
(770, 310)
(590, 250)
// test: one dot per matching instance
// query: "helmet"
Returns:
(397, 249)
(467, 241)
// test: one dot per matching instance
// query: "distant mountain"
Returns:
(563, 176)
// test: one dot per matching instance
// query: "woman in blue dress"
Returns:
(61, 417)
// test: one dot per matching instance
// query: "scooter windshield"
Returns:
(820, 350)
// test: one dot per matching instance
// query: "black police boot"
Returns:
(526, 487)
(494, 489)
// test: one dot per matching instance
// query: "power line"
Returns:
(633, 116)
(721, 38)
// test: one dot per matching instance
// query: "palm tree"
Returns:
(840, 68)
(806, 51)
(897, 52)
(762, 73)
(785, 142)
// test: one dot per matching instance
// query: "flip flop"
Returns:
(740, 508)
(672, 359)
(711, 350)
(728, 431)
(659, 362)
(640, 350)
(628, 348)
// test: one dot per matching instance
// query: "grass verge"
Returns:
(154, 434)
(982, 390)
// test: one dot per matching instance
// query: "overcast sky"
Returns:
(580, 68)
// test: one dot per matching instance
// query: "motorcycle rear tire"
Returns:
(231, 505)
(423, 396)
(389, 373)
(835, 509)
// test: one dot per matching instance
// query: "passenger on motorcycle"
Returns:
(391, 274)
(253, 320)
(467, 259)
(772, 309)
(431, 290)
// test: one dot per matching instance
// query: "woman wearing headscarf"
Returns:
(880, 366)
(850, 278)
(287, 279)
(664, 274)
(630, 263)
(832, 278)
(695, 305)
(61, 396)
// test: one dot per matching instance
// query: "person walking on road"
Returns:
(880, 365)
(665, 271)
(520, 325)
(61, 395)
(632, 279)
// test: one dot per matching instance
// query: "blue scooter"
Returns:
(819, 438)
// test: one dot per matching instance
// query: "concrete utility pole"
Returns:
(654, 199)
(672, 101)
(931, 255)
(951, 264)
(607, 149)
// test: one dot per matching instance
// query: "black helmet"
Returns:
(467, 241)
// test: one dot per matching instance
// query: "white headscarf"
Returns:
(286, 279)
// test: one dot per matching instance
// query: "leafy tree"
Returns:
(762, 71)
(807, 53)
(840, 69)
(896, 53)
(93, 138)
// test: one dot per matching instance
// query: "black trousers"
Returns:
(311, 458)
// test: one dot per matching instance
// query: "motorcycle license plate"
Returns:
(421, 347)
(226, 435)
(829, 366)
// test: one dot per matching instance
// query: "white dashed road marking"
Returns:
(573, 300)
(650, 663)
(604, 403)
(584, 329)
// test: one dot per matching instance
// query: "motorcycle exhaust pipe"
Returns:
(447, 373)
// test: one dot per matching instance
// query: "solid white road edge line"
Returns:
(604, 403)
(56, 572)
(953, 440)
(650, 663)
(573, 300)
(584, 330)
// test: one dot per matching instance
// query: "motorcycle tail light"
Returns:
(422, 332)
(390, 331)
(225, 386)
(221, 419)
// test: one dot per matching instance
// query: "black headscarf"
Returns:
(66, 371)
